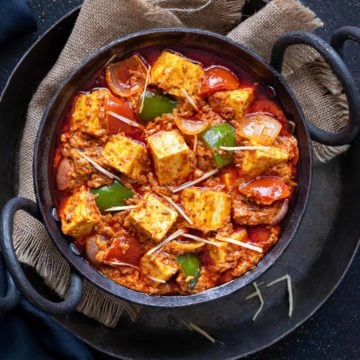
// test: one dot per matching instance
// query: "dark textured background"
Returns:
(334, 331)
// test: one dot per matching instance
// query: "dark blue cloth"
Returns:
(15, 18)
(27, 333)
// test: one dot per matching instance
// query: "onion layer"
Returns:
(127, 77)
(259, 127)
(189, 126)
(281, 213)
(62, 179)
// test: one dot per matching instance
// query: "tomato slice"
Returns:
(128, 250)
(121, 107)
(218, 78)
(266, 190)
(259, 234)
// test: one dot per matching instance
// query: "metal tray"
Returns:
(317, 258)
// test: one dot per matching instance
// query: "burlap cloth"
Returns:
(102, 21)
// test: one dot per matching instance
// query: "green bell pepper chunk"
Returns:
(155, 105)
(112, 195)
(190, 265)
(220, 135)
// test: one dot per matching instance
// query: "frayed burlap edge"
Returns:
(218, 16)
(48, 264)
(326, 78)
(266, 27)
(323, 93)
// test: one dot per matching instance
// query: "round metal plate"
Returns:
(316, 259)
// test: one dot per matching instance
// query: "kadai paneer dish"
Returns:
(173, 172)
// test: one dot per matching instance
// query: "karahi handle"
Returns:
(340, 70)
(75, 290)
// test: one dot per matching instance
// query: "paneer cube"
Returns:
(161, 267)
(171, 157)
(223, 257)
(126, 155)
(218, 254)
(173, 72)
(89, 112)
(152, 217)
(208, 209)
(232, 104)
(79, 214)
(256, 162)
(226, 255)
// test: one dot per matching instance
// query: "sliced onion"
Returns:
(189, 126)
(118, 76)
(281, 213)
(62, 179)
(92, 247)
(259, 127)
